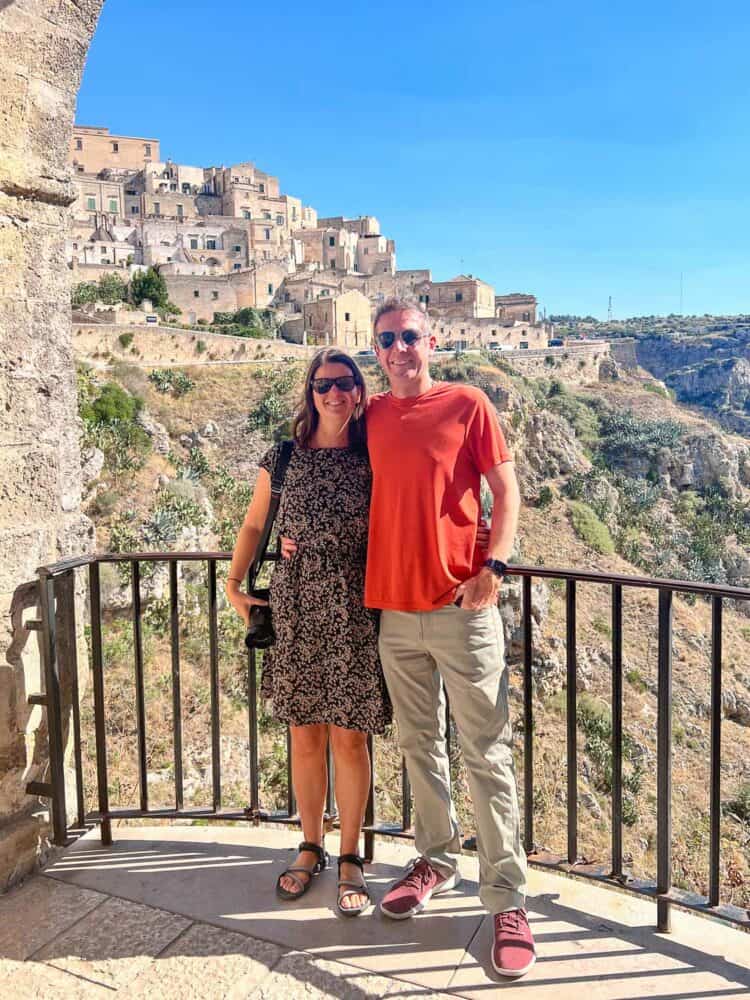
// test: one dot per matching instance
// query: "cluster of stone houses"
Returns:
(226, 237)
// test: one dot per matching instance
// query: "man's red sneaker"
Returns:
(413, 891)
(513, 951)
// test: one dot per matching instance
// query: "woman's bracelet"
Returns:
(235, 579)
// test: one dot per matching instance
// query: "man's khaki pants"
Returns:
(466, 650)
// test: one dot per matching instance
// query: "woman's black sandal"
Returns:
(352, 888)
(304, 884)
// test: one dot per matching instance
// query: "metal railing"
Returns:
(61, 700)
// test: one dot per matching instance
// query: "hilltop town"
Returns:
(226, 238)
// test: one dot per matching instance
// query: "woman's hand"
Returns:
(240, 601)
(289, 547)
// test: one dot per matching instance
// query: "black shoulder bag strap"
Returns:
(277, 482)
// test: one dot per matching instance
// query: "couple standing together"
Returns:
(379, 512)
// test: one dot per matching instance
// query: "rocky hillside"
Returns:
(615, 476)
(704, 360)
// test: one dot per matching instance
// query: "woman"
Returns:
(323, 674)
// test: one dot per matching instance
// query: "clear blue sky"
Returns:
(575, 149)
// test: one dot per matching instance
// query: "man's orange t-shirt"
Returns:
(427, 456)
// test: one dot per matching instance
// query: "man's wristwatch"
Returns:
(496, 566)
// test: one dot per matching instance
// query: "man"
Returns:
(430, 443)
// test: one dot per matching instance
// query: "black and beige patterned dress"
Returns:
(324, 666)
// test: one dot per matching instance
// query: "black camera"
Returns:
(260, 633)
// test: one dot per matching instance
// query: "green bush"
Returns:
(171, 380)
(545, 498)
(740, 806)
(112, 404)
(112, 289)
(201, 347)
(589, 528)
(625, 436)
(126, 339)
(149, 285)
(579, 413)
(595, 721)
(84, 292)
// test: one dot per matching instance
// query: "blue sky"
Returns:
(575, 150)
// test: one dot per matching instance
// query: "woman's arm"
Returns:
(246, 544)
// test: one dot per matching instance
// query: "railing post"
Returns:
(617, 729)
(664, 764)
(716, 653)
(140, 695)
(528, 722)
(54, 708)
(370, 806)
(572, 722)
(67, 661)
(252, 725)
(99, 727)
(213, 652)
(174, 634)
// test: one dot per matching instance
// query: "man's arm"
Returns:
(481, 591)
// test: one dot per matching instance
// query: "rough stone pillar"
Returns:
(43, 45)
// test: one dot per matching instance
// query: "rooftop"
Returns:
(189, 911)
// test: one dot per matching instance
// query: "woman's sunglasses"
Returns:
(387, 338)
(343, 382)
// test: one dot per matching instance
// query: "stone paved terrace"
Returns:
(189, 912)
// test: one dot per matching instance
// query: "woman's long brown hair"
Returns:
(306, 417)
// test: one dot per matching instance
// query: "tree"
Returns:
(85, 291)
(149, 285)
(112, 289)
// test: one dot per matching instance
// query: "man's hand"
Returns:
(288, 547)
(480, 591)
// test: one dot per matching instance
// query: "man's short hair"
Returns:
(397, 304)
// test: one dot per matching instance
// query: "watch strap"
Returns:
(496, 566)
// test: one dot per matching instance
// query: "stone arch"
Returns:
(43, 47)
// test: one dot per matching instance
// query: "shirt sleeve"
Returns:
(269, 460)
(485, 438)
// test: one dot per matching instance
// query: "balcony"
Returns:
(120, 911)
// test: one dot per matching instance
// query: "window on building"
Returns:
(103, 250)
(113, 204)
(91, 203)
(237, 267)
(347, 317)
(366, 251)
(180, 211)
(294, 213)
(186, 189)
(246, 213)
(267, 234)
(262, 188)
(331, 241)
(80, 168)
(210, 244)
(75, 246)
(79, 143)
(115, 147)
(356, 268)
(157, 208)
(459, 296)
(237, 248)
(134, 210)
(463, 333)
(196, 293)
(193, 243)
(526, 317)
(147, 149)
(333, 263)
(270, 288)
(214, 295)
(279, 220)
(266, 215)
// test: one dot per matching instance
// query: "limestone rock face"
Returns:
(43, 45)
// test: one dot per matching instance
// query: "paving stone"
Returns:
(301, 975)
(207, 962)
(37, 981)
(39, 910)
(115, 943)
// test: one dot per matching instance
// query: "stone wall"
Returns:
(573, 363)
(43, 45)
(624, 352)
(156, 345)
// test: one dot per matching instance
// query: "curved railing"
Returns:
(59, 627)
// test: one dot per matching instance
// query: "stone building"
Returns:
(93, 149)
(516, 307)
(341, 319)
(463, 297)
(200, 296)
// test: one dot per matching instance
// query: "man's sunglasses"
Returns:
(343, 382)
(387, 338)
